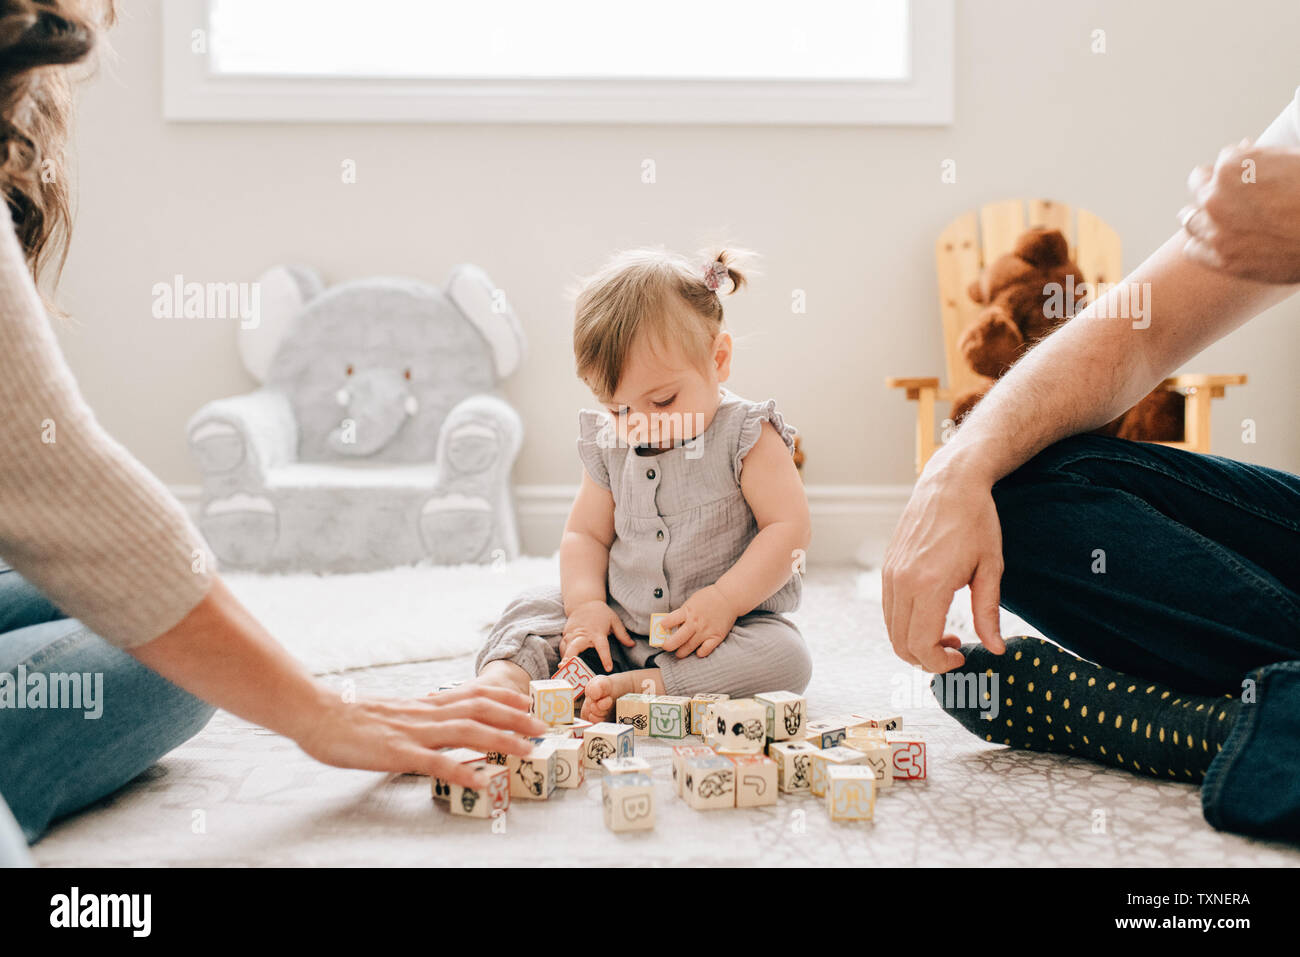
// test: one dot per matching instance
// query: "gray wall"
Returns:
(849, 215)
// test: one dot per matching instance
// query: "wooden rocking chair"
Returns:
(977, 237)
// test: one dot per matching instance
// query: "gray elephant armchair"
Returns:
(378, 436)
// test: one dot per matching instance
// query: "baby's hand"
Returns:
(589, 627)
(702, 622)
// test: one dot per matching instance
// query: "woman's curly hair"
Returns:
(39, 39)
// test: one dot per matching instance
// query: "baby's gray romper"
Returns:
(680, 522)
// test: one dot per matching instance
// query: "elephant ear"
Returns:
(283, 291)
(486, 307)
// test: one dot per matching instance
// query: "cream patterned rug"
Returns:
(239, 796)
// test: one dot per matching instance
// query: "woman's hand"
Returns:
(401, 734)
(949, 536)
(589, 626)
(701, 623)
(1244, 218)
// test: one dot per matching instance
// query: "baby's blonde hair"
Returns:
(643, 290)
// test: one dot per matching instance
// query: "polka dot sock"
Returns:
(1051, 700)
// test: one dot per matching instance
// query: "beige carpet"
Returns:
(259, 801)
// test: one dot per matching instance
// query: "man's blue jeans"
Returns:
(54, 761)
(1181, 568)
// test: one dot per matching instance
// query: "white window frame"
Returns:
(191, 92)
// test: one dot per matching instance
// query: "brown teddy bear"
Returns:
(1015, 291)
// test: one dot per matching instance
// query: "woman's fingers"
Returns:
(468, 733)
(493, 713)
(512, 699)
(436, 765)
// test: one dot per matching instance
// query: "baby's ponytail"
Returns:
(723, 266)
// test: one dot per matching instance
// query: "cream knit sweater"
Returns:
(80, 518)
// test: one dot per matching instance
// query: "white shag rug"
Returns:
(417, 613)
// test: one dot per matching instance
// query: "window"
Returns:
(673, 61)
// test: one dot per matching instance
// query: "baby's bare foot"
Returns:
(603, 691)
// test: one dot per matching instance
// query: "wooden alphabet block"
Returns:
(825, 732)
(879, 755)
(793, 765)
(495, 757)
(471, 802)
(534, 776)
(885, 720)
(441, 789)
(670, 716)
(709, 783)
(909, 758)
(785, 714)
(680, 753)
(552, 701)
(850, 792)
(736, 726)
(634, 710)
(575, 671)
(606, 740)
(756, 779)
(658, 633)
(862, 736)
(626, 765)
(629, 801)
(579, 727)
(699, 704)
(569, 770)
(838, 755)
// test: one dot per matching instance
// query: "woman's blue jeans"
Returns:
(57, 760)
(1181, 568)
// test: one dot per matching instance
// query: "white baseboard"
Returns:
(851, 523)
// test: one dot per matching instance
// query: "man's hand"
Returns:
(702, 623)
(589, 627)
(949, 536)
(1244, 218)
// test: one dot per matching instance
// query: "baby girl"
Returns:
(690, 504)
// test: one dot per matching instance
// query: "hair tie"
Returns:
(715, 274)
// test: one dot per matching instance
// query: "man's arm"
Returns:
(1082, 376)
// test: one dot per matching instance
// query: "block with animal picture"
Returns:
(829, 732)
(700, 704)
(909, 755)
(606, 740)
(534, 776)
(756, 779)
(476, 802)
(441, 788)
(576, 672)
(793, 765)
(569, 769)
(837, 755)
(634, 711)
(629, 802)
(709, 783)
(850, 792)
(737, 726)
(785, 714)
(683, 751)
(885, 720)
(659, 633)
(552, 701)
(670, 716)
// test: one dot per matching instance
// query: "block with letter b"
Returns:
(629, 801)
